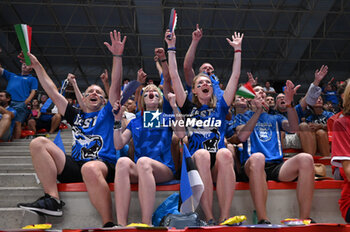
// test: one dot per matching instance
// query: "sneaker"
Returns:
(46, 205)
(312, 221)
(211, 222)
(264, 221)
(109, 225)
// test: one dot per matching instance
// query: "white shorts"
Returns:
(292, 141)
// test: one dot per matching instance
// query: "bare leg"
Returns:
(32, 125)
(5, 123)
(346, 167)
(307, 139)
(301, 166)
(17, 130)
(125, 173)
(255, 170)
(225, 178)
(55, 122)
(48, 161)
(202, 160)
(322, 142)
(150, 172)
(94, 175)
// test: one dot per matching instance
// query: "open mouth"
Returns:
(205, 90)
(151, 95)
(93, 99)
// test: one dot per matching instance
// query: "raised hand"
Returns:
(197, 34)
(320, 74)
(33, 60)
(290, 91)
(118, 110)
(171, 42)
(71, 78)
(160, 53)
(141, 76)
(117, 44)
(104, 76)
(251, 79)
(172, 100)
(236, 42)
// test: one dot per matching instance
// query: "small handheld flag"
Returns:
(247, 91)
(24, 35)
(172, 21)
(191, 185)
(127, 92)
(58, 141)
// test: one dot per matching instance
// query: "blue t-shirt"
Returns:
(331, 96)
(265, 138)
(154, 143)
(205, 126)
(20, 86)
(297, 108)
(230, 127)
(321, 119)
(92, 134)
(218, 92)
(9, 108)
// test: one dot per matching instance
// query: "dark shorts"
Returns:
(72, 171)
(272, 171)
(40, 124)
(21, 109)
(212, 159)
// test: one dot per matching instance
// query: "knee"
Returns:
(256, 162)
(37, 144)
(90, 171)
(305, 161)
(6, 117)
(143, 165)
(224, 157)
(304, 126)
(202, 158)
(321, 134)
(123, 165)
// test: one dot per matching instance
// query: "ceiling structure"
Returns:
(283, 39)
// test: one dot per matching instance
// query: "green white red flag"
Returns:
(246, 91)
(24, 35)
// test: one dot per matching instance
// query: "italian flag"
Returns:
(24, 35)
(246, 91)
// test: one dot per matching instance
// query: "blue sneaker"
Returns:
(46, 205)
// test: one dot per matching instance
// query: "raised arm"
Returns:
(50, 88)
(244, 131)
(178, 129)
(72, 79)
(160, 53)
(315, 86)
(174, 74)
(251, 79)
(191, 54)
(120, 138)
(231, 87)
(292, 125)
(141, 77)
(104, 79)
(116, 48)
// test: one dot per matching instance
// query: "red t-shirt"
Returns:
(341, 151)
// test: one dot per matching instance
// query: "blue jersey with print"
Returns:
(331, 96)
(92, 134)
(154, 143)
(20, 86)
(207, 128)
(321, 119)
(265, 138)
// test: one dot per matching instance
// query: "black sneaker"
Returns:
(211, 222)
(46, 205)
(264, 221)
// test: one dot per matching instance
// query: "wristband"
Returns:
(118, 55)
(291, 105)
(172, 49)
(238, 51)
(117, 125)
(164, 60)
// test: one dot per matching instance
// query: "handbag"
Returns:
(180, 221)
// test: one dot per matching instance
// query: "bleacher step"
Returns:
(16, 168)
(18, 180)
(15, 159)
(16, 218)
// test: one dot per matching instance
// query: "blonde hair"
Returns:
(152, 87)
(212, 103)
(346, 102)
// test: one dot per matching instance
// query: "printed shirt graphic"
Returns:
(210, 135)
(321, 119)
(152, 140)
(92, 134)
(265, 138)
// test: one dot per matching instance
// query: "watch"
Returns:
(117, 125)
